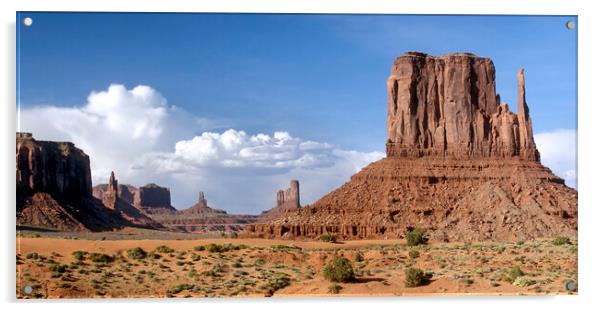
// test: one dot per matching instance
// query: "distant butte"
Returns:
(459, 164)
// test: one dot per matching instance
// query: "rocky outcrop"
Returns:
(448, 106)
(54, 188)
(459, 164)
(154, 199)
(286, 199)
(201, 207)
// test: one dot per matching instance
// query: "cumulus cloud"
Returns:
(143, 138)
(558, 150)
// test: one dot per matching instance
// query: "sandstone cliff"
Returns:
(286, 199)
(459, 164)
(154, 199)
(54, 188)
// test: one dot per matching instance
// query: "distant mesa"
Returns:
(459, 164)
(201, 207)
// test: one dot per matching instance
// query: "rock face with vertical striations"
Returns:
(448, 106)
(54, 188)
(286, 199)
(459, 164)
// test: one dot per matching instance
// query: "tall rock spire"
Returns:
(527, 143)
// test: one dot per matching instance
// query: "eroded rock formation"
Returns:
(286, 199)
(154, 199)
(459, 164)
(54, 188)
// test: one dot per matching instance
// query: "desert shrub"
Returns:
(416, 237)
(338, 270)
(101, 258)
(179, 288)
(358, 257)
(33, 255)
(561, 240)
(328, 238)
(290, 247)
(180, 262)
(137, 253)
(79, 255)
(164, 249)
(195, 257)
(515, 272)
(199, 248)
(413, 253)
(520, 242)
(57, 268)
(416, 277)
(214, 248)
(334, 288)
(236, 265)
(523, 281)
(278, 280)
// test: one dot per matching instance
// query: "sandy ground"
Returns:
(256, 269)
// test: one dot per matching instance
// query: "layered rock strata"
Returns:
(459, 164)
(286, 199)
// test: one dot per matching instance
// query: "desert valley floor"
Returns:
(147, 263)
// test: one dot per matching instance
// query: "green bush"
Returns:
(358, 257)
(214, 248)
(416, 277)
(416, 237)
(101, 258)
(199, 248)
(33, 255)
(413, 253)
(79, 255)
(515, 272)
(195, 257)
(522, 281)
(278, 280)
(137, 253)
(339, 270)
(334, 288)
(561, 240)
(164, 249)
(328, 238)
(179, 288)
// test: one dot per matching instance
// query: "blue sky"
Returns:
(320, 78)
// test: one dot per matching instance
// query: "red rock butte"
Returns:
(459, 164)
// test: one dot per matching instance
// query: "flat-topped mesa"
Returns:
(153, 198)
(447, 106)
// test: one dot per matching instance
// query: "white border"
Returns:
(590, 278)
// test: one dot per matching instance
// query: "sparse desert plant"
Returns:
(33, 255)
(179, 288)
(278, 280)
(416, 237)
(79, 255)
(328, 238)
(334, 288)
(214, 248)
(522, 281)
(199, 248)
(280, 247)
(164, 249)
(195, 257)
(413, 253)
(357, 256)
(137, 253)
(561, 240)
(101, 258)
(338, 270)
(416, 277)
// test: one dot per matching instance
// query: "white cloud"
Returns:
(143, 139)
(558, 152)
